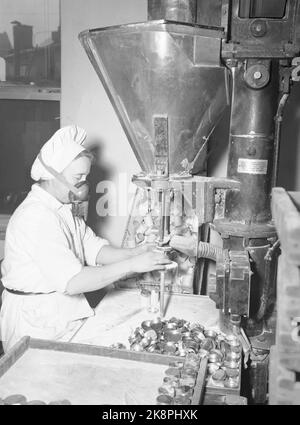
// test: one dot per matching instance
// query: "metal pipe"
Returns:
(278, 122)
(251, 147)
(268, 279)
(251, 160)
(162, 202)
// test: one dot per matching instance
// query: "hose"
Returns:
(209, 251)
(188, 246)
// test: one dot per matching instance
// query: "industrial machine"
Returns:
(169, 80)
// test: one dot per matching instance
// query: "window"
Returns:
(30, 62)
(30, 42)
(262, 9)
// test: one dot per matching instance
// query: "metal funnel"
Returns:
(166, 84)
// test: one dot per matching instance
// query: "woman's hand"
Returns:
(142, 248)
(149, 261)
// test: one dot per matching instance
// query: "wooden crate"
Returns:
(85, 374)
(284, 386)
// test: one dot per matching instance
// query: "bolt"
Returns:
(257, 75)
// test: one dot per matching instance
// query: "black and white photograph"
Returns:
(149, 205)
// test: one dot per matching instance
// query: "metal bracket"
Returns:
(233, 283)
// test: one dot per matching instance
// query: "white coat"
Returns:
(45, 246)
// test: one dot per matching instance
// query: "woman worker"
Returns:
(51, 256)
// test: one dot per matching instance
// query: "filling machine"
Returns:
(170, 80)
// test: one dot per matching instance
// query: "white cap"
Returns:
(59, 151)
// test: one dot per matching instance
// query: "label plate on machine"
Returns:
(252, 166)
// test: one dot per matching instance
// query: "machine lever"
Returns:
(162, 294)
(246, 346)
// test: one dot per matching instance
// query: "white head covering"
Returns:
(59, 151)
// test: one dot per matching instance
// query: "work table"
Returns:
(121, 312)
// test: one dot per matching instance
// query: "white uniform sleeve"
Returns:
(50, 250)
(91, 244)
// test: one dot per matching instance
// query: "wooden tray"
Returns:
(85, 374)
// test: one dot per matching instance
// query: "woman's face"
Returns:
(74, 173)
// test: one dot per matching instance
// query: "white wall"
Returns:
(84, 100)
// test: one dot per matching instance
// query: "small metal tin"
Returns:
(167, 389)
(171, 380)
(192, 345)
(231, 383)
(233, 340)
(210, 334)
(151, 348)
(184, 391)
(212, 368)
(218, 352)
(171, 326)
(181, 400)
(15, 399)
(235, 349)
(232, 373)
(197, 326)
(219, 375)
(156, 324)
(213, 357)
(191, 350)
(207, 344)
(181, 323)
(231, 364)
(145, 342)
(192, 360)
(164, 400)
(184, 329)
(170, 347)
(173, 371)
(146, 325)
(220, 337)
(173, 335)
(231, 355)
(160, 346)
(197, 336)
(187, 339)
(188, 372)
(151, 334)
(136, 347)
(188, 380)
